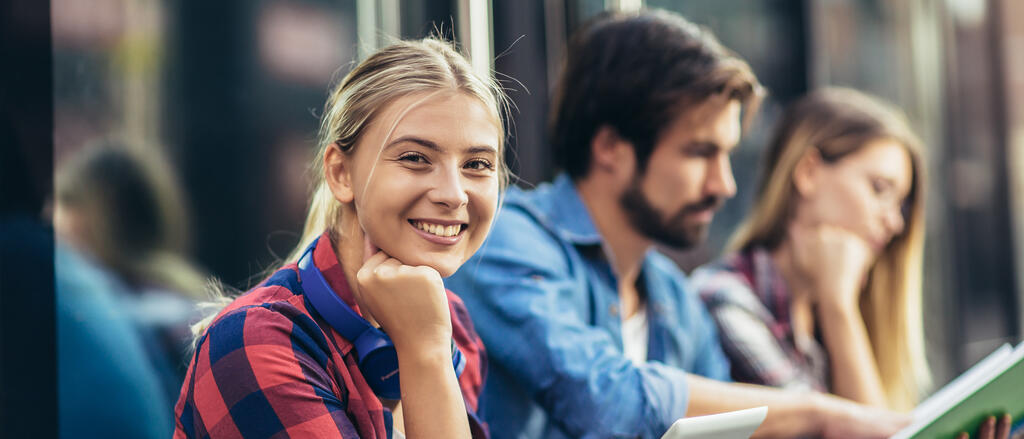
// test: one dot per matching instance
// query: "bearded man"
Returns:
(589, 330)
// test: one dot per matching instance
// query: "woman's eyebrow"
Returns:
(434, 146)
(420, 141)
(486, 149)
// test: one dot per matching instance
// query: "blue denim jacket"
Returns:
(544, 299)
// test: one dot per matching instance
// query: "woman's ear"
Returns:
(806, 172)
(338, 173)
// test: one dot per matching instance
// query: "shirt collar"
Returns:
(561, 207)
(326, 260)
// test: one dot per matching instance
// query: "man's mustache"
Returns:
(710, 202)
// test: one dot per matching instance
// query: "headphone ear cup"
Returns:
(458, 360)
(380, 368)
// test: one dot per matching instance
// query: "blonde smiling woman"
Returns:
(356, 336)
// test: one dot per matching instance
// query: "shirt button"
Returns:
(613, 309)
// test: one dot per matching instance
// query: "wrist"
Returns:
(838, 298)
(421, 336)
(837, 308)
(423, 342)
(818, 413)
(425, 355)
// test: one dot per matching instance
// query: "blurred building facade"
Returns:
(232, 91)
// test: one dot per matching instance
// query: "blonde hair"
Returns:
(401, 69)
(837, 122)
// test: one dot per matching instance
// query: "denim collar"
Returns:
(559, 207)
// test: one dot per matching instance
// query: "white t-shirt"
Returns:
(635, 335)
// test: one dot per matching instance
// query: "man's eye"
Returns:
(702, 151)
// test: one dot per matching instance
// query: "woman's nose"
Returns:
(894, 221)
(448, 189)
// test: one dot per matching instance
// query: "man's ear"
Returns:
(805, 174)
(610, 153)
(338, 173)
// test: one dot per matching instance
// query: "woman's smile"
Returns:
(439, 231)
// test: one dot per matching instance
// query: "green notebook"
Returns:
(992, 387)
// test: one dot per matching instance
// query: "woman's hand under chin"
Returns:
(409, 302)
(834, 261)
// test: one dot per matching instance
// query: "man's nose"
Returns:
(720, 182)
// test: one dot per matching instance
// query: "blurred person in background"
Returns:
(121, 209)
(591, 331)
(109, 382)
(833, 244)
(355, 335)
(822, 290)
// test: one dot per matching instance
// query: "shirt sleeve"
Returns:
(523, 296)
(711, 360)
(259, 373)
(471, 382)
(750, 345)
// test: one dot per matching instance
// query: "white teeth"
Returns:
(438, 229)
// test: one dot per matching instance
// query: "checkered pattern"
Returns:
(749, 300)
(270, 366)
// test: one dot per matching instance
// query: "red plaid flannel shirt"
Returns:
(267, 367)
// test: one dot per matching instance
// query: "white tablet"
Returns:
(729, 425)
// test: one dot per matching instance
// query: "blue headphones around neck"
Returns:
(378, 360)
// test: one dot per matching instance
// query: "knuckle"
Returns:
(363, 275)
(426, 273)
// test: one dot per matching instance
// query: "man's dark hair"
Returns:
(636, 73)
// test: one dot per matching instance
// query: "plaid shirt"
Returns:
(270, 366)
(749, 300)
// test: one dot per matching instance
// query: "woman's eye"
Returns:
(479, 165)
(413, 158)
(879, 186)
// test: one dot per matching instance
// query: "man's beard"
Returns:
(673, 230)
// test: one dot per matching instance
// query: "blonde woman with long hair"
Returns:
(822, 289)
(355, 335)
